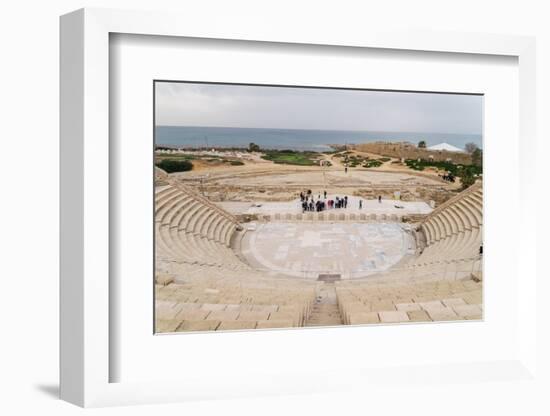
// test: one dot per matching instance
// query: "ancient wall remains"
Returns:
(408, 150)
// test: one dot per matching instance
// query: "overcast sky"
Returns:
(182, 104)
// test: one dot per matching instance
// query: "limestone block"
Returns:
(223, 315)
(442, 314)
(234, 307)
(267, 308)
(285, 316)
(451, 302)
(163, 279)
(235, 325)
(274, 324)
(189, 306)
(165, 312)
(360, 318)
(418, 316)
(207, 325)
(192, 315)
(468, 311)
(383, 305)
(434, 304)
(213, 306)
(393, 316)
(407, 307)
(253, 316)
(473, 298)
(167, 325)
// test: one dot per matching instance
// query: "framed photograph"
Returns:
(243, 214)
(276, 208)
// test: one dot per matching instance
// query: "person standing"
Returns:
(325, 193)
(379, 199)
(360, 204)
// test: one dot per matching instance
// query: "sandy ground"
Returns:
(261, 180)
(254, 167)
(318, 178)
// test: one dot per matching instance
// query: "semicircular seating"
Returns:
(453, 231)
(202, 284)
(442, 283)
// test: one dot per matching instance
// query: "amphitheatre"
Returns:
(235, 249)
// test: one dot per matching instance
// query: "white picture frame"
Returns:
(85, 212)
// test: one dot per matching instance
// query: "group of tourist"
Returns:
(449, 177)
(309, 203)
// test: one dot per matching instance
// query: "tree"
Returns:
(253, 147)
(470, 147)
(467, 180)
(477, 157)
(422, 144)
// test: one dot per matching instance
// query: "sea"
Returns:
(310, 140)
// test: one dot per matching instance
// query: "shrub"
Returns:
(170, 166)
(455, 170)
(372, 164)
(236, 163)
(467, 180)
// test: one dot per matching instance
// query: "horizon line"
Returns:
(336, 130)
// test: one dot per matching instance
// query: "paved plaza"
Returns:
(308, 249)
(369, 206)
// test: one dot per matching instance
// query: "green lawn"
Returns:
(290, 157)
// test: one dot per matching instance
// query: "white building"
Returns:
(446, 146)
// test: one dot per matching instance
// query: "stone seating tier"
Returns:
(193, 232)
(367, 303)
(241, 302)
(453, 231)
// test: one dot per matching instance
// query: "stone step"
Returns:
(324, 322)
(325, 311)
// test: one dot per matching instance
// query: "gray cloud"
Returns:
(183, 104)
